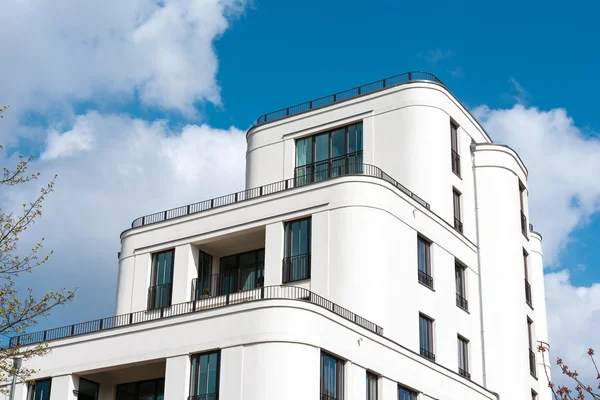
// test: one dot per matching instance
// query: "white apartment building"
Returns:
(380, 251)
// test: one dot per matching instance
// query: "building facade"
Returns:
(381, 250)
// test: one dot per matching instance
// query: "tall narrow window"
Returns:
(532, 367)
(456, 197)
(159, 294)
(371, 386)
(332, 377)
(527, 285)
(40, 390)
(426, 337)
(296, 264)
(205, 284)
(88, 390)
(454, 149)
(534, 395)
(463, 357)
(204, 384)
(424, 261)
(522, 201)
(329, 154)
(242, 271)
(405, 393)
(461, 294)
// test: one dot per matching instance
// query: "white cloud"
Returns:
(68, 50)
(80, 138)
(436, 55)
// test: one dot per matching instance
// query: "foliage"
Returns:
(18, 313)
(581, 390)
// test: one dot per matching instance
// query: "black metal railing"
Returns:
(427, 354)
(528, 293)
(229, 281)
(347, 95)
(464, 373)
(348, 164)
(458, 225)
(296, 268)
(325, 396)
(277, 187)
(265, 293)
(159, 296)
(425, 279)
(455, 162)
(523, 224)
(208, 396)
(532, 367)
(462, 302)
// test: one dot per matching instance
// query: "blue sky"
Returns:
(159, 95)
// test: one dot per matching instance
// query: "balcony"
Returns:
(347, 164)
(425, 279)
(455, 162)
(159, 296)
(458, 225)
(427, 354)
(528, 293)
(230, 281)
(523, 224)
(296, 268)
(462, 302)
(532, 368)
(349, 94)
(464, 374)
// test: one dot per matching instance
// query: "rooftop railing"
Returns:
(264, 293)
(277, 187)
(347, 95)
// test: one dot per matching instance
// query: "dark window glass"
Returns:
(454, 149)
(88, 390)
(461, 293)
(457, 212)
(406, 394)
(371, 386)
(454, 137)
(332, 377)
(244, 271)
(424, 261)
(426, 337)
(40, 390)
(463, 357)
(159, 294)
(296, 264)
(143, 390)
(204, 384)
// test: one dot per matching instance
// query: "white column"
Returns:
(273, 253)
(125, 285)
(184, 270)
(356, 384)
(389, 389)
(177, 377)
(141, 282)
(63, 386)
(319, 262)
(232, 361)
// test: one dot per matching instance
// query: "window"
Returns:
(371, 386)
(463, 357)
(457, 212)
(205, 283)
(243, 271)
(328, 154)
(332, 377)
(40, 390)
(454, 149)
(296, 264)
(461, 293)
(424, 261)
(405, 393)
(426, 337)
(522, 201)
(152, 389)
(532, 368)
(204, 383)
(159, 293)
(533, 395)
(527, 285)
(88, 390)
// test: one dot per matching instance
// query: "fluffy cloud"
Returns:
(70, 50)
(134, 168)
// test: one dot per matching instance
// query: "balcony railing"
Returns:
(425, 279)
(208, 396)
(464, 373)
(528, 293)
(277, 187)
(347, 164)
(458, 225)
(230, 281)
(455, 162)
(264, 293)
(427, 354)
(532, 368)
(296, 268)
(523, 224)
(159, 296)
(347, 95)
(462, 302)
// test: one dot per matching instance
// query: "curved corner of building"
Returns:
(501, 156)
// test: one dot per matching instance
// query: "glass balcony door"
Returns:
(243, 271)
